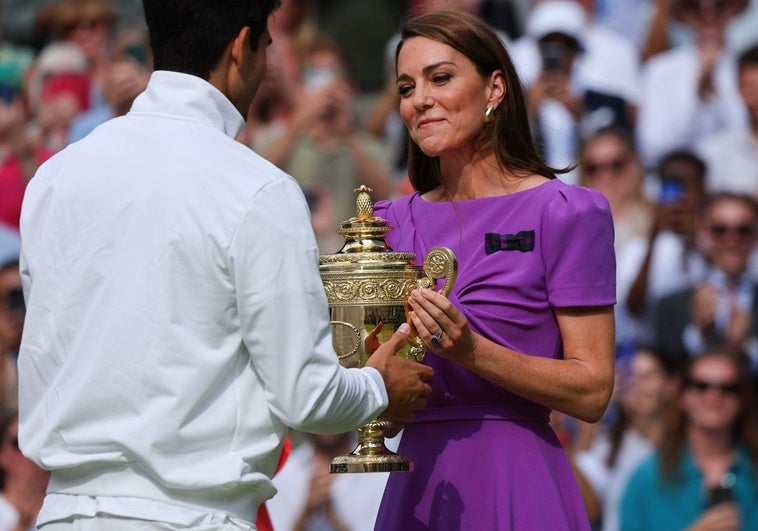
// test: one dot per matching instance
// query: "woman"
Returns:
(645, 386)
(529, 324)
(609, 163)
(704, 476)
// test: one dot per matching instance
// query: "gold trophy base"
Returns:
(390, 462)
(371, 455)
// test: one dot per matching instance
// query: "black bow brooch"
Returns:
(522, 241)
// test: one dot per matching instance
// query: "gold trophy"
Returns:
(367, 285)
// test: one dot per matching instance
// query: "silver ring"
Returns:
(437, 338)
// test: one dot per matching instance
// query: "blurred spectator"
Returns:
(722, 310)
(741, 31)
(690, 92)
(10, 244)
(608, 162)
(657, 36)
(704, 475)
(27, 21)
(508, 16)
(292, 27)
(58, 90)
(361, 28)
(20, 156)
(14, 61)
(24, 483)
(12, 313)
(732, 155)
(629, 18)
(90, 25)
(666, 29)
(124, 78)
(645, 387)
(666, 258)
(323, 147)
(312, 499)
(580, 77)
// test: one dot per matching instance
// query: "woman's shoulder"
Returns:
(396, 207)
(572, 200)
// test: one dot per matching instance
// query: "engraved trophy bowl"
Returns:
(367, 283)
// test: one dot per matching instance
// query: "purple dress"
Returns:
(484, 458)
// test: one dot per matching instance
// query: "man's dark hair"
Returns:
(748, 58)
(190, 36)
(682, 155)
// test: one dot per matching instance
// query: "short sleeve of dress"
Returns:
(398, 215)
(381, 208)
(577, 246)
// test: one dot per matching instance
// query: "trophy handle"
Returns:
(354, 329)
(440, 262)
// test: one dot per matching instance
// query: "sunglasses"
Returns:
(88, 24)
(616, 165)
(14, 299)
(701, 386)
(740, 230)
(699, 5)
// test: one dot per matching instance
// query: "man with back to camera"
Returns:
(176, 321)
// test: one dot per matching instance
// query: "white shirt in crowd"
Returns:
(731, 159)
(610, 482)
(672, 115)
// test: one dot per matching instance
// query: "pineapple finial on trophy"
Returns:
(364, 206)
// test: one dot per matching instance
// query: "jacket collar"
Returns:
(188, 97)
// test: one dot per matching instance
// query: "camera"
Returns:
(553, 54)
(672, 189)
(723, 491)
(719, 494)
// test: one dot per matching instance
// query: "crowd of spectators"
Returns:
(652, 102)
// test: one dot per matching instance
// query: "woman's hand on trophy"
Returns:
(442, 327)
(371, 341)
(406, 381)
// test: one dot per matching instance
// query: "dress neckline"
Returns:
(517, 193)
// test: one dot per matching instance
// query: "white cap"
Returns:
(59, 57)
(557, 16)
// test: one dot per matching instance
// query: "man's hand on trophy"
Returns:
(406, 381)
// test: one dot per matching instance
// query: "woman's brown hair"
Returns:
(509, 132)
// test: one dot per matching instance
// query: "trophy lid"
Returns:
(364, 237)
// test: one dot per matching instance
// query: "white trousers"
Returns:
(113, 523)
